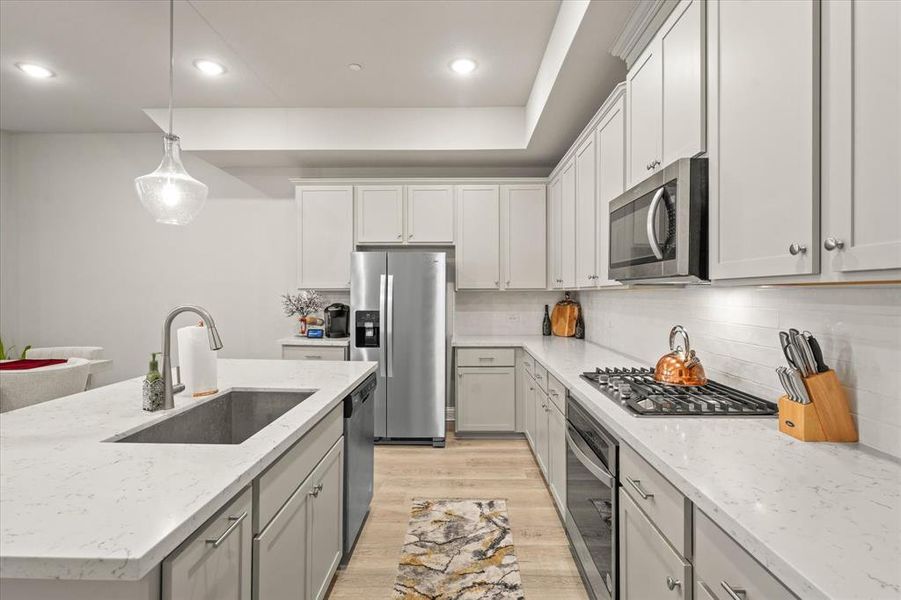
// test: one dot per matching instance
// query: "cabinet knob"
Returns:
(316, 489)
(830, 244)
(672, 583)
(796, 249)
(410, 236)
(400, 236)
(497, 282)
(655, 163)
(649, 166)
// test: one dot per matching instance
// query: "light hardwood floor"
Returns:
(466, 468)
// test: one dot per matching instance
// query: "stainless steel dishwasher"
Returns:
(359, 436)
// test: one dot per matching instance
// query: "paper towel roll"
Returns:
(197, 361)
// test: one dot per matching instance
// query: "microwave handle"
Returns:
(652, 230)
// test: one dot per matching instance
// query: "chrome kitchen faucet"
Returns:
(169, 390)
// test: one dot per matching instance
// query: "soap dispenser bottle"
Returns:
(153, 386)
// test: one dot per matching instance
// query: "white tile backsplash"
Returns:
(501, 313)
(735, 332)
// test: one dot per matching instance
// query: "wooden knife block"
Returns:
(826, 419)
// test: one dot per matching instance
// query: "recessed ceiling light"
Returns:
(463, 66)
(355, 67)
(209, 67)
(36, 71)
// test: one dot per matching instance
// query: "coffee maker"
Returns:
(336, 320)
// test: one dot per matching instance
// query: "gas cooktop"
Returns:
(636, 390)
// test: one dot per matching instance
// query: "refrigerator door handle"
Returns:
(383, 334)
(390, 326)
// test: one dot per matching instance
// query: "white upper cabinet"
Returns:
(644, 85)
(610, 139)
(325, 236)
(554, 197)
(665, 94)
(586, 271)
(861, 137)
(682, 58)
(565, 228)
(763, 94)
(430, 214)
(478, 237)
(523, 235)
(380, 214)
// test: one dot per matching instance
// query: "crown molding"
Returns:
(642, 25)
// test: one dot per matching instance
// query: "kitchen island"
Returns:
(76, 506)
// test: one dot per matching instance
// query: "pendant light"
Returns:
(169, 193)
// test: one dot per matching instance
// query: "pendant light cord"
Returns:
(171, 58)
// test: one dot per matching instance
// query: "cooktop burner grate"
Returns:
(637, 391)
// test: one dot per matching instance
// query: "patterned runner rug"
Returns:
(458, 550)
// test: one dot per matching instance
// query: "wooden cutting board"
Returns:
(563, 318)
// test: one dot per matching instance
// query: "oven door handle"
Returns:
(576, 446)
(652, 227)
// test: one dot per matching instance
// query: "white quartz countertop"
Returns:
(75, 507)
(823, 518)
(298, 340)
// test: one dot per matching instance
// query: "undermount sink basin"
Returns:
(228, 419)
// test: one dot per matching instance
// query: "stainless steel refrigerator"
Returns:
(398, 303)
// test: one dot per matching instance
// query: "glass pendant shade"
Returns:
(169, 194)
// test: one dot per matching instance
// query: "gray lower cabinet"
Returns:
(649, 566)
(725, 571)
(486, 399)
(528, 404)
(297, 553)
(556, 438)
(215, 562)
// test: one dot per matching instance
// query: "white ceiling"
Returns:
(111, 57)
(111, 63)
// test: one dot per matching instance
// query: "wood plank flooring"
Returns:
(466, 468)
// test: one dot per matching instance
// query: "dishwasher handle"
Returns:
(359, 396)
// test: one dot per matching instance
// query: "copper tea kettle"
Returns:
(680, 366)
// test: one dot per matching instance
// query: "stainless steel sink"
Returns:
(228, 419)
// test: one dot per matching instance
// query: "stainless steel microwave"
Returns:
(658, 229)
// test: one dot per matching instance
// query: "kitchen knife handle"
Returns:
(817, 352)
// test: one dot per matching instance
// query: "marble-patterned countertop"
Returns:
(75, 507)
(298, 340)
(823, 518)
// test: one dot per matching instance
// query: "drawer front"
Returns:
(528, 363)
(215, 562)
(657, 497)
(273, 488)
(721, 566)
(313, 353)
(486, 357)
(556, 391)
(540, 374)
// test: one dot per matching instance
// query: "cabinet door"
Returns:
(523, 231)
(611, 151)
(486, 399)
(644, 84)
(586, 215)
(529, 404)
(556, 440)
(541, 430)
(568, 226)
(762, 121)
(862, 136)
(214, 563)
(325, 236)
(380, 214)
(325, 542)
(280, 550)
(682, 59)
(478, 237)
(648, 567)
(554, 248)
(430, 214)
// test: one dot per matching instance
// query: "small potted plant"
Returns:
(305, 303)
